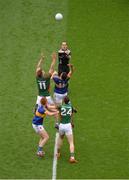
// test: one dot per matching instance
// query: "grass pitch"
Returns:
(97, 33)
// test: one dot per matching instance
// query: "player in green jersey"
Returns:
(65, 128)
(43, 80)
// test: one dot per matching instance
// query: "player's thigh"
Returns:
(49, 100)
(58, 98)
(61, 130)
(38, 128)
(69, 132)
(68, 129)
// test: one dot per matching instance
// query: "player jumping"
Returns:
(43, 80)
(61, 85)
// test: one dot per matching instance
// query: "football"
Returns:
(58, 16)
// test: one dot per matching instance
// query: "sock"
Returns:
(72, 154)
(58, 150)
(40, 148)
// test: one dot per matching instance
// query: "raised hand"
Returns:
(54, 56)
(70, 65)
(42, 55)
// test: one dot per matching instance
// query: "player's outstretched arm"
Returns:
(71, 70)
(54, 74)
(51, 70)
(51, 113)
(39, 65)
(51, 108)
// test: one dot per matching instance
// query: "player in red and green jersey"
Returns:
(43, 80)
(65, 128)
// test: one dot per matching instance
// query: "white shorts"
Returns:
(65, 129)
(58, 98)
(37, 128)
(49, 100)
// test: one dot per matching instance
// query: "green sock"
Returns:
(58, 150)
(72, 154)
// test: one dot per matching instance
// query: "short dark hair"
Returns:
(64, 76)
(66, 100)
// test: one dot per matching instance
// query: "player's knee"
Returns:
(47, 137)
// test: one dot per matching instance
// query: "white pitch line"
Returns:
(55, 158)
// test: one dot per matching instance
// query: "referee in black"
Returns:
(64, 56)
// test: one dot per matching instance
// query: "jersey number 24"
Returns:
(65, 112)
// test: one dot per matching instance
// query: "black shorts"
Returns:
(63, 68)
